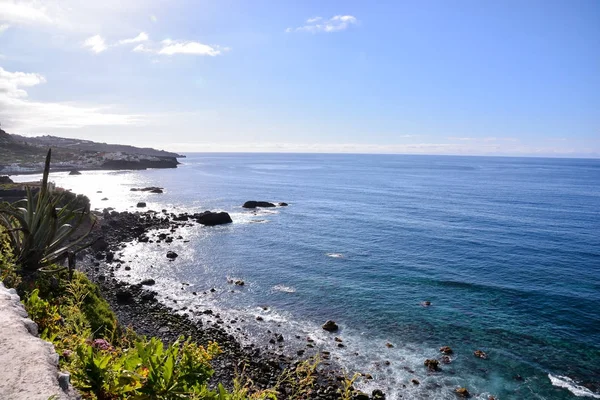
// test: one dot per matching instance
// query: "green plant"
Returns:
(299, 380)
(346, 391)
(40, 232)
(43, 313)
(174, 372)
(8, 269)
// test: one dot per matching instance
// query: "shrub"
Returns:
(40, 231)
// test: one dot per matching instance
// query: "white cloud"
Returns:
(142, 37)
(140, 48)
(23, 12)
(170, 47)
(96, 44)
(19, 113)
(318, 24)
(11, 83)
(3, 28)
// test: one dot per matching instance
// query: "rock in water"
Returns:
(211, 218)
(141, 204)
(446, 350)
(282, 204)
(254, 204)
(330, 326)
(480, 354)
(5, 179)
(148, 282)
(432, 365)
(171, 255)
(462, 392)
(74, 172)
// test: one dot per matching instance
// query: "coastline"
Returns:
(115, 165)
(136, 306)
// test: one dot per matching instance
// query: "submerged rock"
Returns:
(480, 354)
(330, 326)
(254, 204)
(141, 204)
(446, 350)
(462, 392)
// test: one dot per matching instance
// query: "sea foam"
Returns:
(568, 383)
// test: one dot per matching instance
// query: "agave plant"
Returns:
(42, 233)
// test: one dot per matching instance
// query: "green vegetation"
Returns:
(39, 230)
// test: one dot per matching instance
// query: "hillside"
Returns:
(88, 145)
(21, 154)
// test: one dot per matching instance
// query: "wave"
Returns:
(335, 255)
(285, 289)
(568, 383)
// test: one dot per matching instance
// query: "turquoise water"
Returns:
(507, 250)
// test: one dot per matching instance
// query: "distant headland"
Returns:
(25, 155)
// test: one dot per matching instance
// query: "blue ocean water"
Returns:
(507, 250)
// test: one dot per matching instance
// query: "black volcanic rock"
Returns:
(151, 189)
(330, 326)
(141, 204)
(74, 172)
(5, 179)
(254, 204)
(171, 255)
(210, 218)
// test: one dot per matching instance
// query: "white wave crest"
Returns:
(568, 383)
(283, 288)
(335, 255)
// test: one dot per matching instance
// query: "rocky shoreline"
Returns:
(136, 306)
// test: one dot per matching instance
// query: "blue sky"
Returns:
(425, 77)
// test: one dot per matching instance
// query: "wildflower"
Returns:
(101, 344)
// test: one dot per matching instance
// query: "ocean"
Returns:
(507, 250)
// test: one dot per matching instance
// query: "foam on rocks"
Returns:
(28, 364)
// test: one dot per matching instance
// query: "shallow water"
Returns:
(506, 249)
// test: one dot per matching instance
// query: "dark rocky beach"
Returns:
(136, 306)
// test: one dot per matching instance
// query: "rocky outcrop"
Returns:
(151, 189)
(210, 218)
(5, 179)
(254, 204)
(74, 172)
(28, 365)
(432, 364)
(330, 326)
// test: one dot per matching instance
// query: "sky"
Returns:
(416, 77)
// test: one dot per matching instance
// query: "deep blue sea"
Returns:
(507, 250)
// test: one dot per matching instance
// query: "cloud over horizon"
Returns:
(20, 113)
(319, 24)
